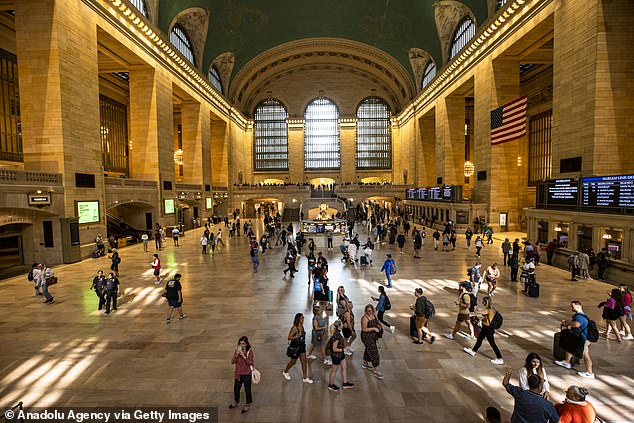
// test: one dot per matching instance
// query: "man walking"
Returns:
(507, 250)
(42, 276)
(174, 296)
(389, 267)
(175, 234)
(98, 284)
(112, 289)
(423, 314)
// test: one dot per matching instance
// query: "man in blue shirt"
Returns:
(530, 406)
(579, 324)
(390, 268)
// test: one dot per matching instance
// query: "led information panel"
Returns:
(608, 191)
(564, 192)
(209, 202)
(449, 194)
(88, 211)
(169, 206)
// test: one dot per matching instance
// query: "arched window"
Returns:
(466, 30)
(214, 78)
(270, 146)
(499, 3)
(429, 75)
(374, 137)
(321, 135)
(179, 39)
(141, 7)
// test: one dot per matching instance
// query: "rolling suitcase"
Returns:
(559, 353)
(533, 290)
(364, 260)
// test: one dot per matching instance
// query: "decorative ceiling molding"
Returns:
(418, 59)
(262, 90)
(224, 64)
(195, 22)
(323, 51)
(448, 14)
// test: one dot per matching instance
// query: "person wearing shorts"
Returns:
(464, 303)
(174, 295)
(156, 265)
(338, 358)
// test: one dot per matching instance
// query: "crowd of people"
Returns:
(333, 344)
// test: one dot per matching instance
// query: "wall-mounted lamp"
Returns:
(606, 236)
(468, 169)
(178, 157)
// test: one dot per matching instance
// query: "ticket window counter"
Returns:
(584, 238)
(613, 242)
(562, 234)
(542, 232)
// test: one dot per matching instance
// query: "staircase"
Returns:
(122, 230)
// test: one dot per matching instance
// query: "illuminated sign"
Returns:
(88, 211)
(39, 199)
(209, 203)
(169, 206)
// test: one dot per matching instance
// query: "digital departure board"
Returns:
(563, 192)
(449, 193)
(608, 191)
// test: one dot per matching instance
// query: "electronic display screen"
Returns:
(608, 191)
(209, 202)
(449, 193)
(169, 206)
(563, 192)
(88, 211)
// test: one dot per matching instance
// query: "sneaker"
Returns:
(417, 342)
(168, 321)
(497, 361)
(378, 375)
(448, 335)
(431, 340)
(157, 283)
(348, 351)
(393, 328)
(328, 362)
(312, 357)
(307, 380)
(586, 374)
(469, 351)
(564, 364)
(286, 376)
(366, 366)
(182, 316)
(348, 385)
(334, 388)
(473, 338)
(628, 337)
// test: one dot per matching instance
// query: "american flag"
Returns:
(508, 122)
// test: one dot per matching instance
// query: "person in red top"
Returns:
(575, 408)
(243, 360)
(156, 265)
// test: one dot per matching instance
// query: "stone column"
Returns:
(296, 152)
(348, 142)
(56, 43)
(196, 143)
(219, 153)
(426, 151)
(497, 84)
(450, 113)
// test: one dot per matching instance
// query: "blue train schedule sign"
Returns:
(608, 191)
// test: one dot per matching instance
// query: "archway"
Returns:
(372, 180)
(272, 181)
(136, 216)
(263, 206)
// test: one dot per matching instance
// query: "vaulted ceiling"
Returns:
(232, 33)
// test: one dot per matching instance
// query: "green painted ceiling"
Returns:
(250, 27)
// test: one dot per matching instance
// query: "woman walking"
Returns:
(312, 261)
(534, 366)
(335, 348)
(487, 331)
(371, 331)
(626, 331)
(349, 334)
(212, 243)
(613, 311)
(491, 276)
(243, 361)
(318, 335)
(382, 306)
(297, 348)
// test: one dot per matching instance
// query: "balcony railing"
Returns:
(126, 182)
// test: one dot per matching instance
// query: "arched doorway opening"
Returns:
(260, 207)
(316, 182)
(130, 219)
(12, 260)
(373, 180)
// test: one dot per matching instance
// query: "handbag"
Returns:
(255, 375)
(51, 281)
(292, 351)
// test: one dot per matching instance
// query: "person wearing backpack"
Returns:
(335, 348)
(586, 329)
(382, 306)
(31, 278)
(466, 303)
(115, 261)
(389, 267)
(424, 310)
(490, 321)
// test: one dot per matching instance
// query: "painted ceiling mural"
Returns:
(247, 28)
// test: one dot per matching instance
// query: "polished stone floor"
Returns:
(69, 354)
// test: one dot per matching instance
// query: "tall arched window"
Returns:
(141, 7)
(214, 78)
(270, 140)
(179, 39)
(466, 30)
(429, 75)
(321, 135)
(374, 137)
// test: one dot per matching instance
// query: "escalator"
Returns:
(122, 230)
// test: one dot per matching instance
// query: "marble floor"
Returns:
(69, 354)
